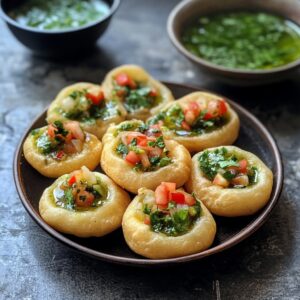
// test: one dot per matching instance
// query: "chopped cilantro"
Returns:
(154, 160)
(122, 149)
(45, 145)
(160, 142)
(126, 126)
(253, 175)
(164, 161)
(69, 199)
(146, 210)
(35, 131)
(143, 127)
(211, 161)
(60, 128)
(173, 221)
(137, 98)
(228, 175)
(133, 142)
(138, 167)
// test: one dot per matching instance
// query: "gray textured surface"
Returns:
(34, 266)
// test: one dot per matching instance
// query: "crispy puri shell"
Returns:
(224, 135)
(99, 127)
(50, 167)
(230, 202)
(124, 175)
(139, 74)
(94, 222)
(142, 240)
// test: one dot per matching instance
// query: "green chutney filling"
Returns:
(174, 219)
(135, 95)
(57, 140)
(244, 40)
(72, 194)
(226, 169)
(143, 152)
(85, 107)
(188, 122)
(59, 14)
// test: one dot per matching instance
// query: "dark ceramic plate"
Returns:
(253, 137)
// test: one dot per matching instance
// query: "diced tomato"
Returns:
(147, 220)
(132, 158)
(189, 199)
(178, 197)
(215, 108)
(222, 107)
(96, 99)
(170, 185)
(189, 117)
(143, 143)
(51, 130)
(142, 140)
(162, 195)
(77, 174)
(84, 199)
(129, 138)
(194, 107)
(243, 166)
(156, 151)
(68, 137)
(123, 79)
(153, 93)
(145, 160)
(72, 180)
(208, 116)
(185, 126)
(60, 154)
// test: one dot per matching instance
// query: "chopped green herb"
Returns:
(122, 149)
(211, 161)
(146, 210)
(174, 221)
(35, 131)
(164, 161)
(69, 199)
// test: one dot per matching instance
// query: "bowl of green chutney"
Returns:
(239, 42)
(58, 28)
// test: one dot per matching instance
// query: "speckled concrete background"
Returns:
(34, 266)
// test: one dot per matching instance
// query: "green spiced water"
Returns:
(244, 40)
(59, 14)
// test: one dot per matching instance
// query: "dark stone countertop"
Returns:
(35, 266)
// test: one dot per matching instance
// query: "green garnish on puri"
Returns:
(226, 169)
(173, 221)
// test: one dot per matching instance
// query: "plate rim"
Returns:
(232, 241)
